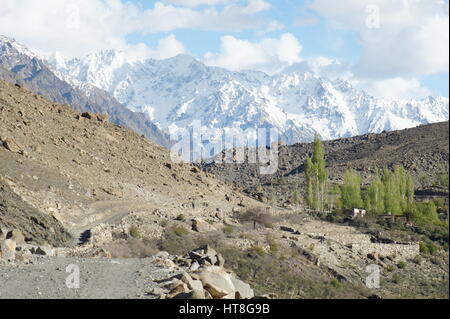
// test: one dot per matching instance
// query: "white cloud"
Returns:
(167, 48)
(196, 3)
(269, 55)
(412, 38)
(77, 27)
(395, 88)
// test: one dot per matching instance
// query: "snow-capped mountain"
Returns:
(177, 91)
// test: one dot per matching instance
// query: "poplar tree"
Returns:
(322, 174)
(374, 195)
(316, 176)
(351, 190)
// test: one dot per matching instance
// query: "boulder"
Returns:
(200, 226)
(11, 145)
(178, 288)
(162, 255)
(243, 290)
(3, 233)
(17, 236)
(194, 266)
(8, 249)
(373, 256)
(217, 283)
(88, 115)
(43, 250)
(103, 117)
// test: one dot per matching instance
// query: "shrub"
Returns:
(428, 248)
(273, 244)
(180, 231)
(228, 229)
(390, 268)
(401, 264)
(432, 248)
(417, 260)
(335, 283)
(396, 278)
(423, 248)
(181, 218)
(134, 231)
(256, 216)
(259, 250)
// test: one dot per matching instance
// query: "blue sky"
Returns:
(390, 48)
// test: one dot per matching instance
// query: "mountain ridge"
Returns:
(177, 91)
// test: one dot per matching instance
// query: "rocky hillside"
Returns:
(423, 151)
(82, 170)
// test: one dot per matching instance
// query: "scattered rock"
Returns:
(11, 145)
(243, 290)
(195, 170)
(43, 250)
(88, 115)
(373, 256)
(8, 249)
(162, 255)
(103, 117)
(287, 229)
(17, 236)
(218, 283)
(199, 225)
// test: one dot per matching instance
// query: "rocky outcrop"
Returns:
(205, 278)
(8, 250)
(201, 226)
(22, 222)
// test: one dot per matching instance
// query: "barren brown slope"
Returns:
(85, 172)
(423, 151)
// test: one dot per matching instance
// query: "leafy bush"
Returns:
(417, 259)
(259, 250)
(134, 232)
(257, 217)
(396, 278)
(401, 264)
(336, 283)
(273, 244)
(428, 248)
(180, 231)
(228, 229)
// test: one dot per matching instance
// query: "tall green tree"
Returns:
(351, 190)
(310, 173)
(316, 176)
(374, 195)
(322, 174)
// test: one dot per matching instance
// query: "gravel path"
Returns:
(46, 278)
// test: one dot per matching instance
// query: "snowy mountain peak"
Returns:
(9, 46)
(177, 91)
